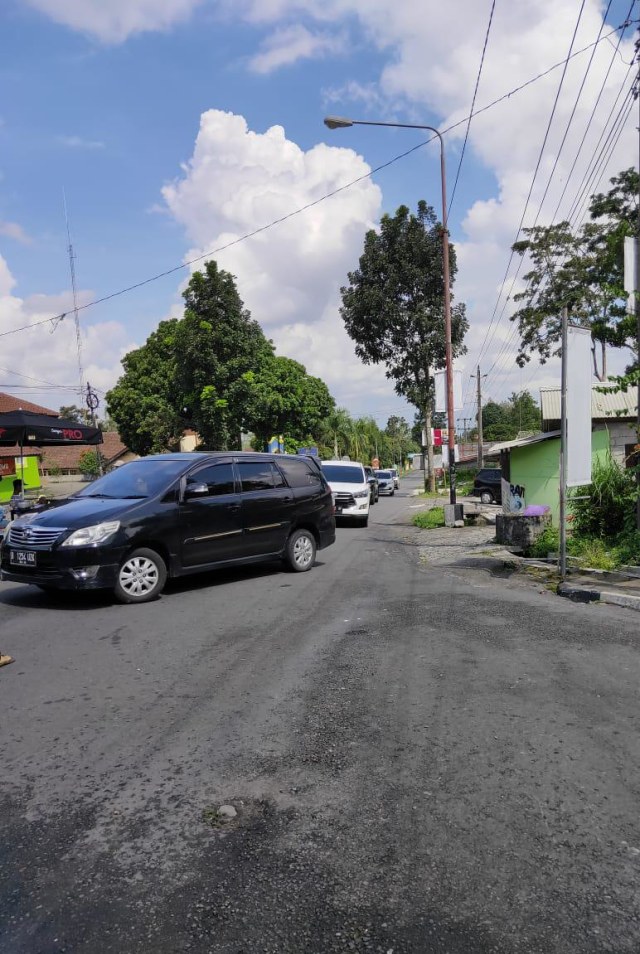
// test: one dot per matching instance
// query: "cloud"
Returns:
(289, 276)
(14, 231)
(49, 354)
(78, 142)
(113, 21)
(292, 43)
(432, 69)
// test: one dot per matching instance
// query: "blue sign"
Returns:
(308, 451)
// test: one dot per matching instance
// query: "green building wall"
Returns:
(30, 476)
(536, 467)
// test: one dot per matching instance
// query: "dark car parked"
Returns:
(171, 515)
(488, 485)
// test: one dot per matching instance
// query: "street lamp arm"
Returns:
(342, 122)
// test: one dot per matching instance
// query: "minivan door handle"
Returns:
(233, 507)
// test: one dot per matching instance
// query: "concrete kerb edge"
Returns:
(582, 594)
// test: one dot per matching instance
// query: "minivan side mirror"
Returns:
(196, 490)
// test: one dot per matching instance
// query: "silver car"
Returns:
(386, 483)
(396, 477)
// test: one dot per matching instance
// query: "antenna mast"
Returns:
(72, 269)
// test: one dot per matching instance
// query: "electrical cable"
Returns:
(473, 103)
(591, 167)
(309, 205)
(533, 180)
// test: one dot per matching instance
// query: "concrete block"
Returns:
(516, 530)
(453, 515)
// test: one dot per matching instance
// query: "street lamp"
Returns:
(341, 122)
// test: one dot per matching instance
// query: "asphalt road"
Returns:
(422, 759)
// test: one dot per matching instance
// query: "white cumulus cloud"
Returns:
(112, 21)
(44, 355)
(287, 45)
(289, 276)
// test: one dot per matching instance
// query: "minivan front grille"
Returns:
(345, 500)
(29, 536)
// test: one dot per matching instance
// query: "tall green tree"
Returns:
(146, 403)
(217, 342)
(281, 398)
(393, 307)
(504, 421)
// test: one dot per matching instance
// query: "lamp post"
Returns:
(340, 122)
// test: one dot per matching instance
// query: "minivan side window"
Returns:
(299, 473)
(259, 475)
(219, 478)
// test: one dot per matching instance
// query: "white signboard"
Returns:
(441, 390)
(578, 406)
(445, 454)
(630, 280)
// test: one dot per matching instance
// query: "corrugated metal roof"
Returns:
(523, 442)
(609, 405)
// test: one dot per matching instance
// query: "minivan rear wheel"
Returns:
(301, 551)
(486, 497)
(141, 577)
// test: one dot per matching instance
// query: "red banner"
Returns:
(7, 466)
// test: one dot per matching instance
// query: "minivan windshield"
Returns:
(137, 479)
(385, 474)
(338, 474)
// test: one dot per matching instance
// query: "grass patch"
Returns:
(429, 519)
(596, 553)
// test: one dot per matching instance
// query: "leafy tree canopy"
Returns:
(504, 421)
(582, 271)
(146, 403)
(393, 307)
(281, 398)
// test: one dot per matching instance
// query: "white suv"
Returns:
(350, 488)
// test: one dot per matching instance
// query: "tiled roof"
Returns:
(10, 403)
(67, 458)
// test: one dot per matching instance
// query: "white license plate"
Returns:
(22, 557)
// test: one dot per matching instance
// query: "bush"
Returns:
(429, 519)
(548, 542)
(627, 549)
(610, 505)
(89, 463)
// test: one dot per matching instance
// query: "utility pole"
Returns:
(563, 448)
(637, 301)
(92, 402)
(479, 378)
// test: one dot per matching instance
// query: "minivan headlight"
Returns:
(98, 533)
(362, 493)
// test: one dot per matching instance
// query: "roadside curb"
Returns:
(582, 594)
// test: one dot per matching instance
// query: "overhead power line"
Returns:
(473, 103)
(508, 342)
(533, 181)
(315, 202)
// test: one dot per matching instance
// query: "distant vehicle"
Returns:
(396, 477)
(350, 487)
(488, 485)
(386, 483)
(373, 483)
(169, 515)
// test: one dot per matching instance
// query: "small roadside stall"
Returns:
(20, 429)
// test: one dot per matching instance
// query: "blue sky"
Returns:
(111, 114)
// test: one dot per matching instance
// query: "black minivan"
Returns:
(170, 515)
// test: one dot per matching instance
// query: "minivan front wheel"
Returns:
(141, 577)
(486, 497)
(301, 551)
